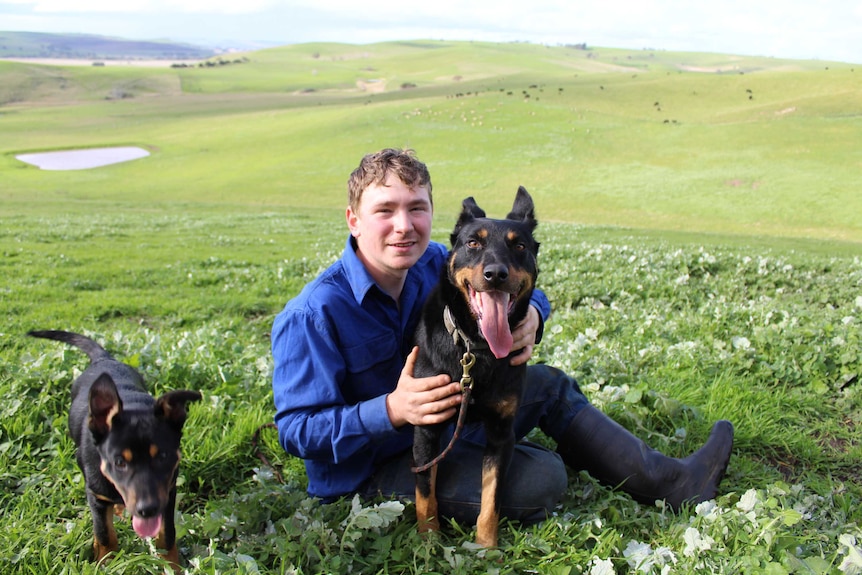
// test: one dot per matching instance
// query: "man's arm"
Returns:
(529, 332)
(314, 419)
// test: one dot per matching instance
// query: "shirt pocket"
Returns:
(372, 352)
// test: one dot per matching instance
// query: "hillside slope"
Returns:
(43, 45)
(646, 139)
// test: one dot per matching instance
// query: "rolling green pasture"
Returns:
(743, 146)
(700, 245)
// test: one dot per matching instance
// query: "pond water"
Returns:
(83, 159)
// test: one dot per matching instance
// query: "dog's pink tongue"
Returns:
(495, 322)
(148, 527)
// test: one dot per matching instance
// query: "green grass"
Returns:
(651, 327)
(703, 269)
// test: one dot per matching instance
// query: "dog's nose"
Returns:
(147, 509)
(496, 273)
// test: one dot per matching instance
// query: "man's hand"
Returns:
(422, 401)
(524, 336)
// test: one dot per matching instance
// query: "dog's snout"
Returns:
(496, 273)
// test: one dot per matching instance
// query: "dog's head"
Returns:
(139, 447)
(493, 266)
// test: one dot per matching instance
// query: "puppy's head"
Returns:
(139, 449)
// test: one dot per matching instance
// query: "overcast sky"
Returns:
(808, 29)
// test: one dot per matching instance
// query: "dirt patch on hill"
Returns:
(371, 86)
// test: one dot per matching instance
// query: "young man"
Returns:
(346, 399)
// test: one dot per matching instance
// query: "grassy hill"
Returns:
(42, 45)
(643, 139)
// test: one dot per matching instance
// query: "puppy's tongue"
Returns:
(148, 527)
(494, 322)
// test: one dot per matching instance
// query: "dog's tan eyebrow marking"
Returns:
(482, 233)
(512, 235)
(127, 455)
(154, 450)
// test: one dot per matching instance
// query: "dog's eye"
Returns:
(120, 463)
(520, 246)
(473, 244)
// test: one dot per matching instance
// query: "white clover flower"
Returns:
(598, 522)
(852, 563)
(664, 556)
(263, 366)
(683, 347)
(859, 301)
(695, 542)
(740, 342)
(747, 501)
(602, 567)
(706, 509)
(581, 342)
(641, 556)
(638, 555)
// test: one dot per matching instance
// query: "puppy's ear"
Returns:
(469, 212)
(105, 404)
(172, 406)
(523, 209)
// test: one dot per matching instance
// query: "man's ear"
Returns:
(352, 221)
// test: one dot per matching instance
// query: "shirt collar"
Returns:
(357, 276)
(361, 281)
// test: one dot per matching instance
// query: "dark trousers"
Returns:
(537, 477)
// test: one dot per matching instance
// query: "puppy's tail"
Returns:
(95, 351)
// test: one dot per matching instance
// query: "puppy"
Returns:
(128, 447)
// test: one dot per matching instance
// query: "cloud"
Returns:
(779, 28)
(146, 6)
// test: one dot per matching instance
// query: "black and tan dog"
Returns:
(128, 447)
(466, 330)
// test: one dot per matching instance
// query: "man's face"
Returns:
(392, 227)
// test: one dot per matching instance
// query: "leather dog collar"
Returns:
(458, 334)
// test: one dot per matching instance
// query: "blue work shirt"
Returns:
(338, 350)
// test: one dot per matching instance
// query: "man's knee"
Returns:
(535, 484)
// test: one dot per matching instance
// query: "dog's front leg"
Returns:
(104, 535)
(426, 446)
(166, 542)
(495, 463)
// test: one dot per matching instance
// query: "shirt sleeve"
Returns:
(314, 420)
(540, 301)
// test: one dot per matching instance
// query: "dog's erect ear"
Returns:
(105, 404)
(469, 212)
(523, 210)
(469, 206)
(172, 406)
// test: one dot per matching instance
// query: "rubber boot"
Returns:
(610, 453)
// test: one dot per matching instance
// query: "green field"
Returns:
(744, 146)
(701, 245)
